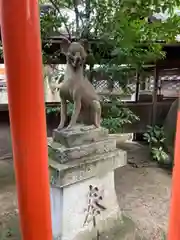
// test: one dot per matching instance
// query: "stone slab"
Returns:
(70, 208)
(79, 135)
(62, 154)
(87, 167)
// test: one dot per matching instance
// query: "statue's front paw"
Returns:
(97, 125)
(60, 127)
(69, 127)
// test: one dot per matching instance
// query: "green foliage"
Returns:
(50, 110)
(117, 117)
(120, 26)
(123, 28)
(49, 24)
(56, 110)
(155, 137)
(159, 154)
(164, 236)
(69, 109)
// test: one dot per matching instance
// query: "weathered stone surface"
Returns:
(79, 135)
(81, 159)
(62, 154)
(70, 207)
(170, 127)
(95, 165)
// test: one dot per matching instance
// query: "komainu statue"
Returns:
(76, 88)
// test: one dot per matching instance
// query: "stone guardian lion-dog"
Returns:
(76, 88)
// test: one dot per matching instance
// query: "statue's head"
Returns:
(76, 52)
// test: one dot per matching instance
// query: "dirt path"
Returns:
(143, 195)
(144, 192)
(8, 203)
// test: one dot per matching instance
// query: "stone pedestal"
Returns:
(82, 161)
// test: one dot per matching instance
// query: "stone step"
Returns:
(63, 154)
(87, 167)
(79, 135)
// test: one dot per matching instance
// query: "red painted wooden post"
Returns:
(174, 221)
(23, 62)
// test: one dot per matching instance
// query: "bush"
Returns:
(117, 116)
(155, 137)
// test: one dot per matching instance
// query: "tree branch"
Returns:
(65, 24)
(85, 31)
(77, 17)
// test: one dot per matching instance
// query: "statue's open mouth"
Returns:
(76, 65)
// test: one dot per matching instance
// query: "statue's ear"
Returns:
(85, 44)
(65, 46)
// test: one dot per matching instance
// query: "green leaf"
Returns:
(154, 140)
(162, 139)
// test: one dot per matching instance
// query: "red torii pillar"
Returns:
(174, 221)
(22, 53)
